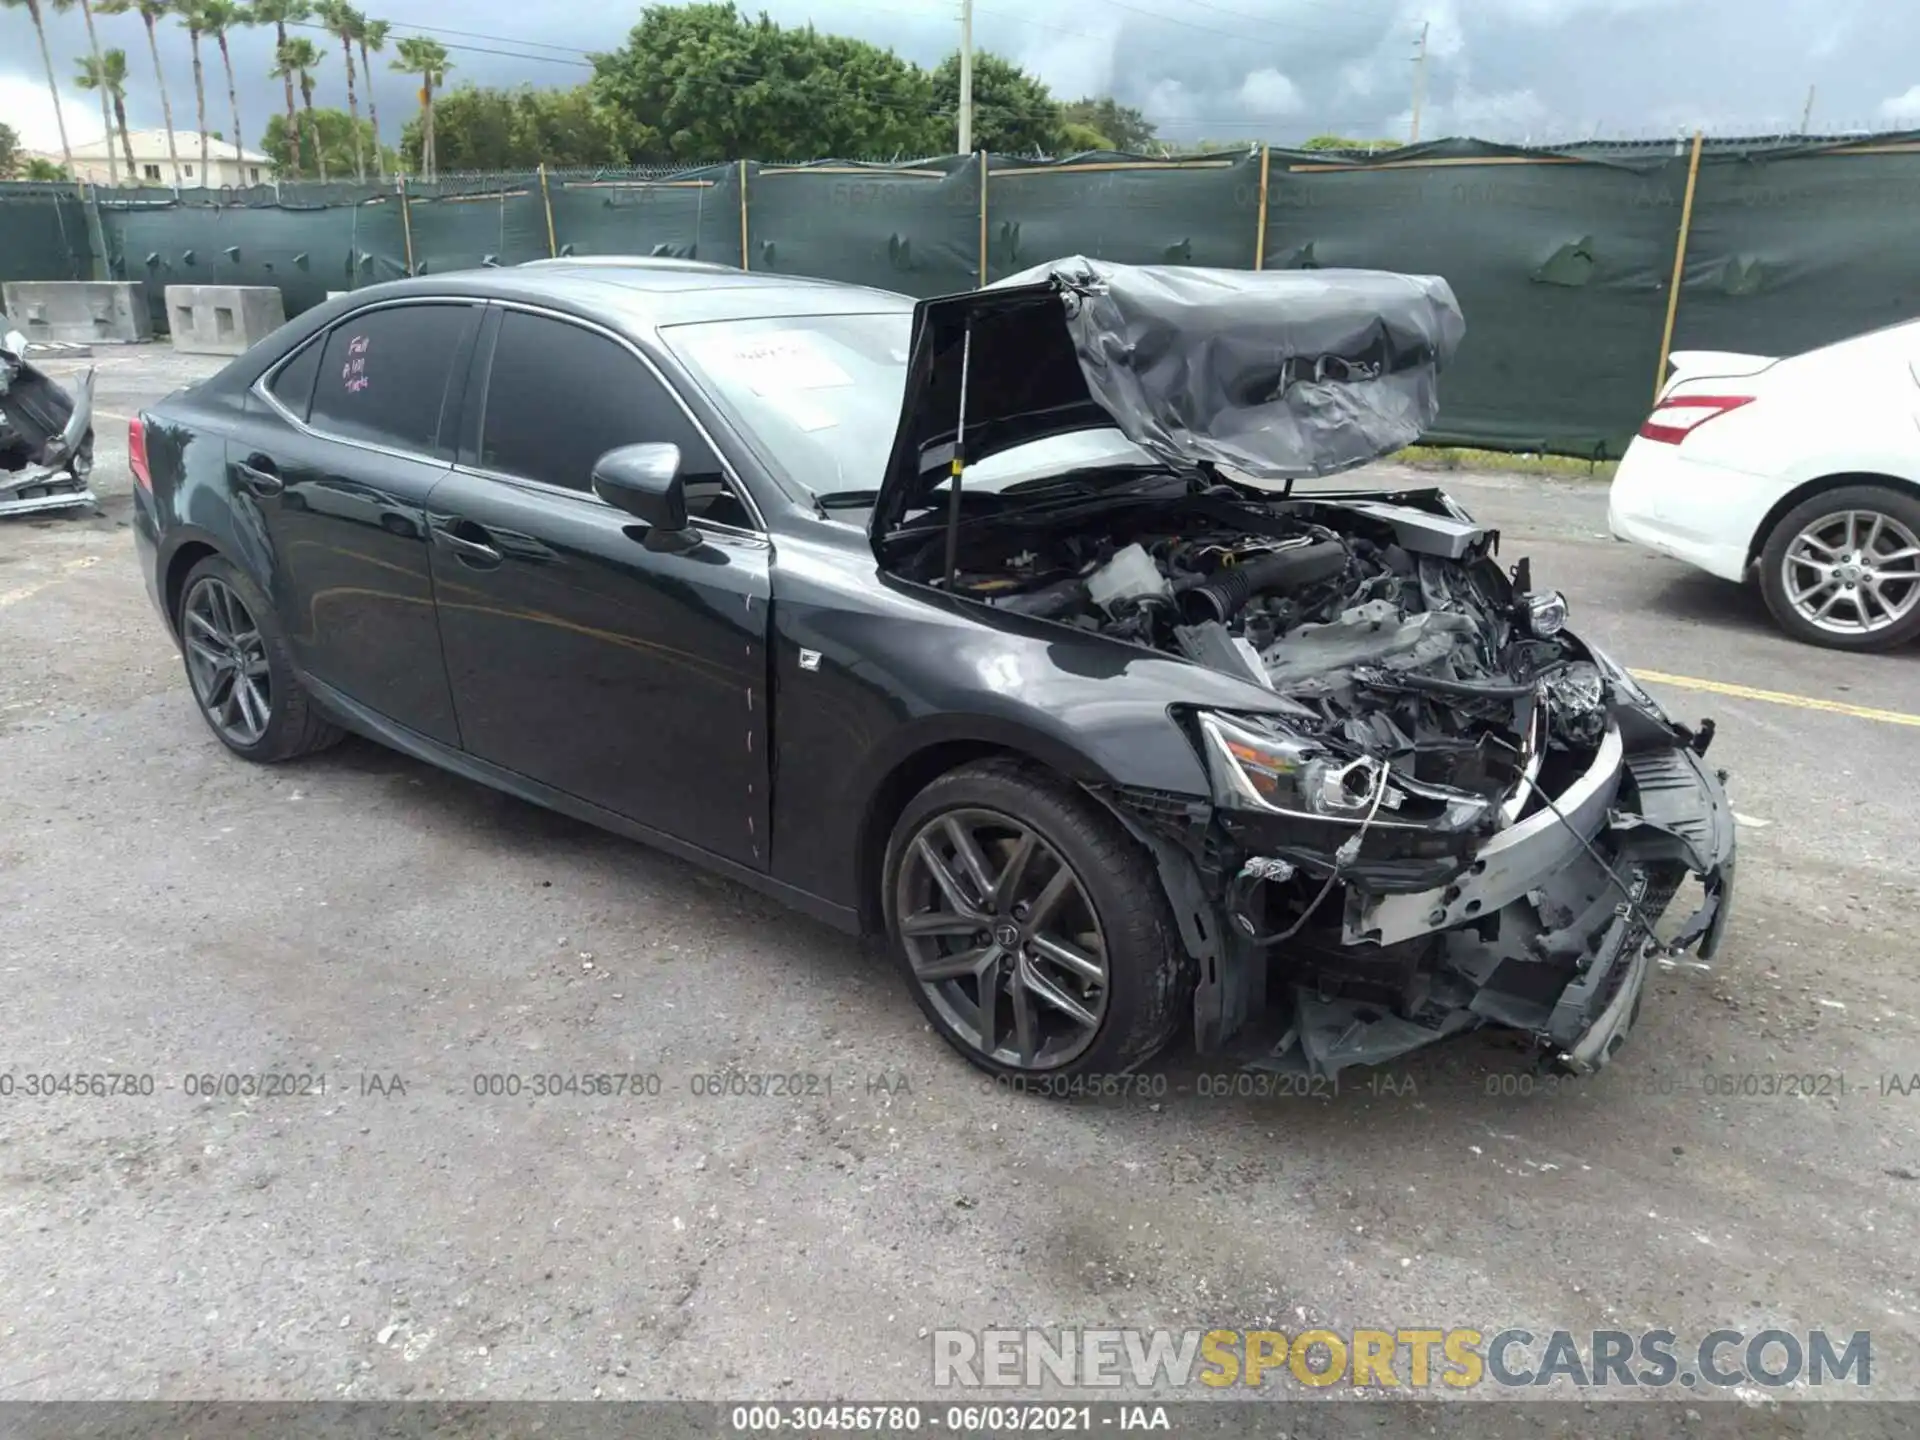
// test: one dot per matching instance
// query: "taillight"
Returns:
(137, 454)
(1678, 416)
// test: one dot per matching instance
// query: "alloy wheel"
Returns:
(1002, 937)
(227, 662)
(1854, 572)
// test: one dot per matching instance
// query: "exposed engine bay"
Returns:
(1394, 625)
(1389, 847)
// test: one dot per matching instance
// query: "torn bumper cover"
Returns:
(46, 436)
(1546, 918)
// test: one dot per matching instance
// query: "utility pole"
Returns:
(1806, 115)
(1419, 83)
(966, 77)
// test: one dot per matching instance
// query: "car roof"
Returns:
(644, 297)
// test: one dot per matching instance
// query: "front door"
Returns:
(629, 678)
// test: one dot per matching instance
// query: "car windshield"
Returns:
(819, 397)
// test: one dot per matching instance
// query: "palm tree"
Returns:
(280, 14)
(217, 17)
(108, 74)
(343, 22)
(188, 12)
(32, 8)
(298, 57)
(150, 13)
(428, 59)
(373, 37)
(93, 48)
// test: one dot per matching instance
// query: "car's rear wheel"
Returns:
(240, 671)
(1031, 927)
(1842, 569)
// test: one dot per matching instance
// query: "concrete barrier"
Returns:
(78, 312)
(222, 319)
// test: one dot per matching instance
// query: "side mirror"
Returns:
(644, 481)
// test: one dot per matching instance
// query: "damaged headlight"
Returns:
(1624, 682)
(1546, 614)
(1256, 768)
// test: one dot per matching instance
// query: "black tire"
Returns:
(1148, 983)
(1898, 506)
(294, 723)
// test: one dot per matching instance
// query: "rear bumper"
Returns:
(1704, 514)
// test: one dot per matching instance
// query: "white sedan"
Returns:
(1802, 473)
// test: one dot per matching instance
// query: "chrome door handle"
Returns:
(262, 481)
(468, 552)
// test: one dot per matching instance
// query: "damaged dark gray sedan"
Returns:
(46, 434)
(990, 624)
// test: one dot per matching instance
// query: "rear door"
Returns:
(629, 678)
(337, 452)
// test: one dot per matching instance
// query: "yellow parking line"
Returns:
(1778, 697)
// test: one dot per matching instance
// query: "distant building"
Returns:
(152, 166)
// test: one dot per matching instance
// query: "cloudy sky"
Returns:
(1279, 70)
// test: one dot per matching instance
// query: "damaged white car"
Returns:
(46, 434)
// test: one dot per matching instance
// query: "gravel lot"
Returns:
(166, 910)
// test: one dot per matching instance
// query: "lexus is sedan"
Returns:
(1801, 475)
(992, 625)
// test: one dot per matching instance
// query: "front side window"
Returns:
(560, 396)
(383, 375)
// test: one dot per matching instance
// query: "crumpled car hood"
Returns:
(1274, 374)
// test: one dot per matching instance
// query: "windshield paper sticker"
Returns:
(776, 364)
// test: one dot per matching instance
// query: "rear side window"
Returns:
(383, 375)
(293, 386)
(560, 396)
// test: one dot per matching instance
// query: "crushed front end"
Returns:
(1476, 819)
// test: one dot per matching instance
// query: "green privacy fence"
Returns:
(1563, 260)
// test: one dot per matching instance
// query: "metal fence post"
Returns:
(1679, 268)
(546, 199)
(1260, 234)
(746, 255)
(406, 218)
(981, 158)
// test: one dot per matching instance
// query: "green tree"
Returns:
(9, 150)
(32, 7)
(41, 168)
(189, 15)
(1342, 142)
(298, 58)
(217, 17)
(478, 128)
(108, 74)
(1121, 126)
(93, 49)
(1013, 113)
(372, 36)
(280, 14)
(151, 13)
(335, 131)
(702, 82)
(344, 24)
(429, 60)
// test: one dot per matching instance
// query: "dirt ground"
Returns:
(169, 912)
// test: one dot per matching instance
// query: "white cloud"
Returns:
(1903, 109)
(27, 107)
(1268, 92)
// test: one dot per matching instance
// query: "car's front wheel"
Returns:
(241, 673)
(1031, 927)
(1842, 569)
